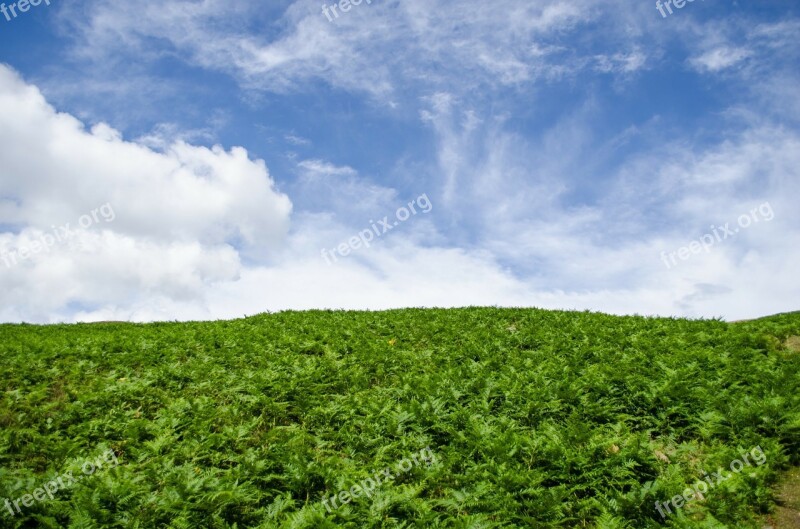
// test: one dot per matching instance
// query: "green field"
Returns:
(532, 418)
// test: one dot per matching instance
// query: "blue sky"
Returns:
(569, 150)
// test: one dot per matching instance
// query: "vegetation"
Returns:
(536, 419)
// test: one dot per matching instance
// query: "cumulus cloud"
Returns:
(182, 218)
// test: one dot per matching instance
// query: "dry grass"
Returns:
(793, 344)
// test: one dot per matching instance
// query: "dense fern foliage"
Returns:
(536, 419)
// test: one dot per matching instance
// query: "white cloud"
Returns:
(720, 58)
(182, 218)
(297, 140)
(757, 50)
(324, 187)
(377, 49)
(621, 62)
(321, 167)
(511, 196)
(55, 171)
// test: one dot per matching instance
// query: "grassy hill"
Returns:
(481, 417)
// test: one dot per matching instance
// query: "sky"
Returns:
(196, 160)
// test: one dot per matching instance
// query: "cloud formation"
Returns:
(559, 156)
(183, 218)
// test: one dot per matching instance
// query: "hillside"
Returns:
(481, 417)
